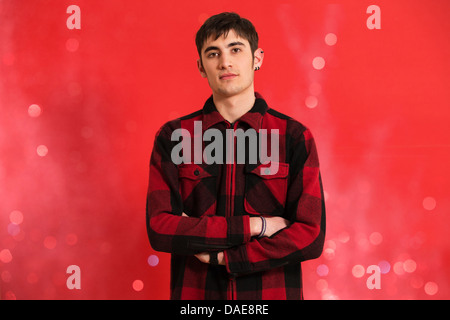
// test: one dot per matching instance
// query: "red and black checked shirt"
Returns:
(219, 198)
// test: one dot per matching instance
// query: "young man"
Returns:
(238, 227)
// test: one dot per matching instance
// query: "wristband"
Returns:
(263, 227)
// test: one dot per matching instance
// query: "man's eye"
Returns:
(213, 54)
(236, 50)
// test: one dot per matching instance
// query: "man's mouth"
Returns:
(227, 76)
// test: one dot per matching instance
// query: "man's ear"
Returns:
(258, 58)
(200, 68)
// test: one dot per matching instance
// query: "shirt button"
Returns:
(196, 172)
(267, 171)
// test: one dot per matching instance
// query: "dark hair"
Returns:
(220, 24)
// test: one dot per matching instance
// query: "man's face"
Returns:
(228, 64)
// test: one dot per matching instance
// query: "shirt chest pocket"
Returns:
(198, 188)
(266, 188)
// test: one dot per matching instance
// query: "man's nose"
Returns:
(225, 61)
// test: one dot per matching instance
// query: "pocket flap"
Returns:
(270, 170)
(194, 171)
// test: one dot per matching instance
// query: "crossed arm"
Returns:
(274, 224)
(233, 237)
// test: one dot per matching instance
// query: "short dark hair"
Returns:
(220, 24)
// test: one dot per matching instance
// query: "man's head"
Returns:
(228, 53)
(220, 24)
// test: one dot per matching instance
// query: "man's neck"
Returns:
(234, 107)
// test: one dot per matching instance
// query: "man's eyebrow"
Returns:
(235, 43)
(231, 44)
(210, 48)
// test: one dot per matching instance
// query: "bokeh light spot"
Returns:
(16, 217)
(6, 276)
(72, 44)
(322, 270)
(375, 238)
(398, 268)
(13, 229)
(50, 242)
(321, 284)
(330, 244)
(71, 239)
(153, 260)
(409, 265)
(385, 266)
(358, 271)
(431, 288)
(138, 285)
(318, 63)
(330, 39)
(311, 102)
(429, 203)
(5, 256)
(42, 150)
(329, 254)
(34, 110)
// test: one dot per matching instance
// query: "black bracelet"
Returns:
(213, 258)
(263, 227)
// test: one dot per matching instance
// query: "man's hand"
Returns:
(273, 225)
(204, 257)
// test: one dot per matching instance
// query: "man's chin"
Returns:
(230, 92)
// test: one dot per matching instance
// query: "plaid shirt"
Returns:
(220, 198)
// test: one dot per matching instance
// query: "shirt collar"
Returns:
(253, 117)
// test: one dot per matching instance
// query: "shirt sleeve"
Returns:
(303, 239)
(168, 230)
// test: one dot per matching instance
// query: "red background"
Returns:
(380, 114)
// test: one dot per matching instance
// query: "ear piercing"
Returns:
(257, 68)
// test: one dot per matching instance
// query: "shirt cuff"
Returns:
(239, 229)
(236, 260)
